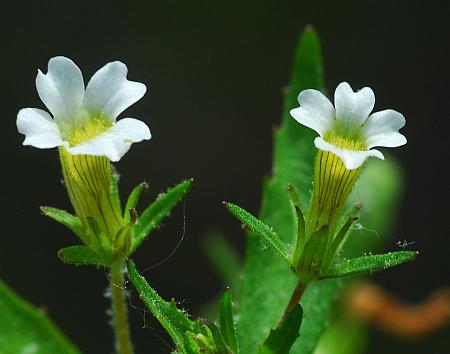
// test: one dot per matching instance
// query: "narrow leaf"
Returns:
(65, 218)
(133, 200)
(174, 321)
(369, 264)
(80, 255)
(157, 211)
(267, 236)
(26, 329)
(227, 327)
(281, 339)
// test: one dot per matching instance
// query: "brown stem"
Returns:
(295, 299)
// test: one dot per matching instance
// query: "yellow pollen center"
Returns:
(88, 131)
(345, 143)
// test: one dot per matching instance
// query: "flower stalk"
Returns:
(120, 310)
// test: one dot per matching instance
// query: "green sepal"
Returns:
(227, 327)
(97, 237)
(80, 255)
(299, 237)
(158, 210)
(266, 234)
(114, 188)
(121, 245)
(200, 339)
(311, 260)
(133, 199)
(174, 321)
(219, 344)
(338, 241)
(368, 264)
(281, 339)
(27, 329)
(70, 221)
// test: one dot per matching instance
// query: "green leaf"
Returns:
(227, 327)
(133, 200)
(80, 255)
(25, 329)
(157, 211)
(281, 339)
(174, 321)
(70, 221)
(268, 283)
(268, 237)
(224, 258)
(316, 312)
(369, 264)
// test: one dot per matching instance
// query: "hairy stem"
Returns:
(120, 311)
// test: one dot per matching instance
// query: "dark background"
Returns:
(214, 71)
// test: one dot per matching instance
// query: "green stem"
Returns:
(120, 311)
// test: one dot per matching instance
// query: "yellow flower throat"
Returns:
(89, 130)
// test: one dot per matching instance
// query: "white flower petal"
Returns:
(62, 88)
(381, 129)
(116, 141)
(351, 158)
(39, 128)
(353, 108)
(109, 93)
(315, 111)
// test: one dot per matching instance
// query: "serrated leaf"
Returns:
(266, 234)
(157, 211)
(70, 221)
(79, 255)
(267, 281)
(282, 338)
(26, 329)
(227, 327)
(133, 200)
(174, 321)
(369, 264)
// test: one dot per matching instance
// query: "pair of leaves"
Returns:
(356, 266)
(189, 336)
(147, 222)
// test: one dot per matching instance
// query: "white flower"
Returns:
(347, 130)
(84, 119)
